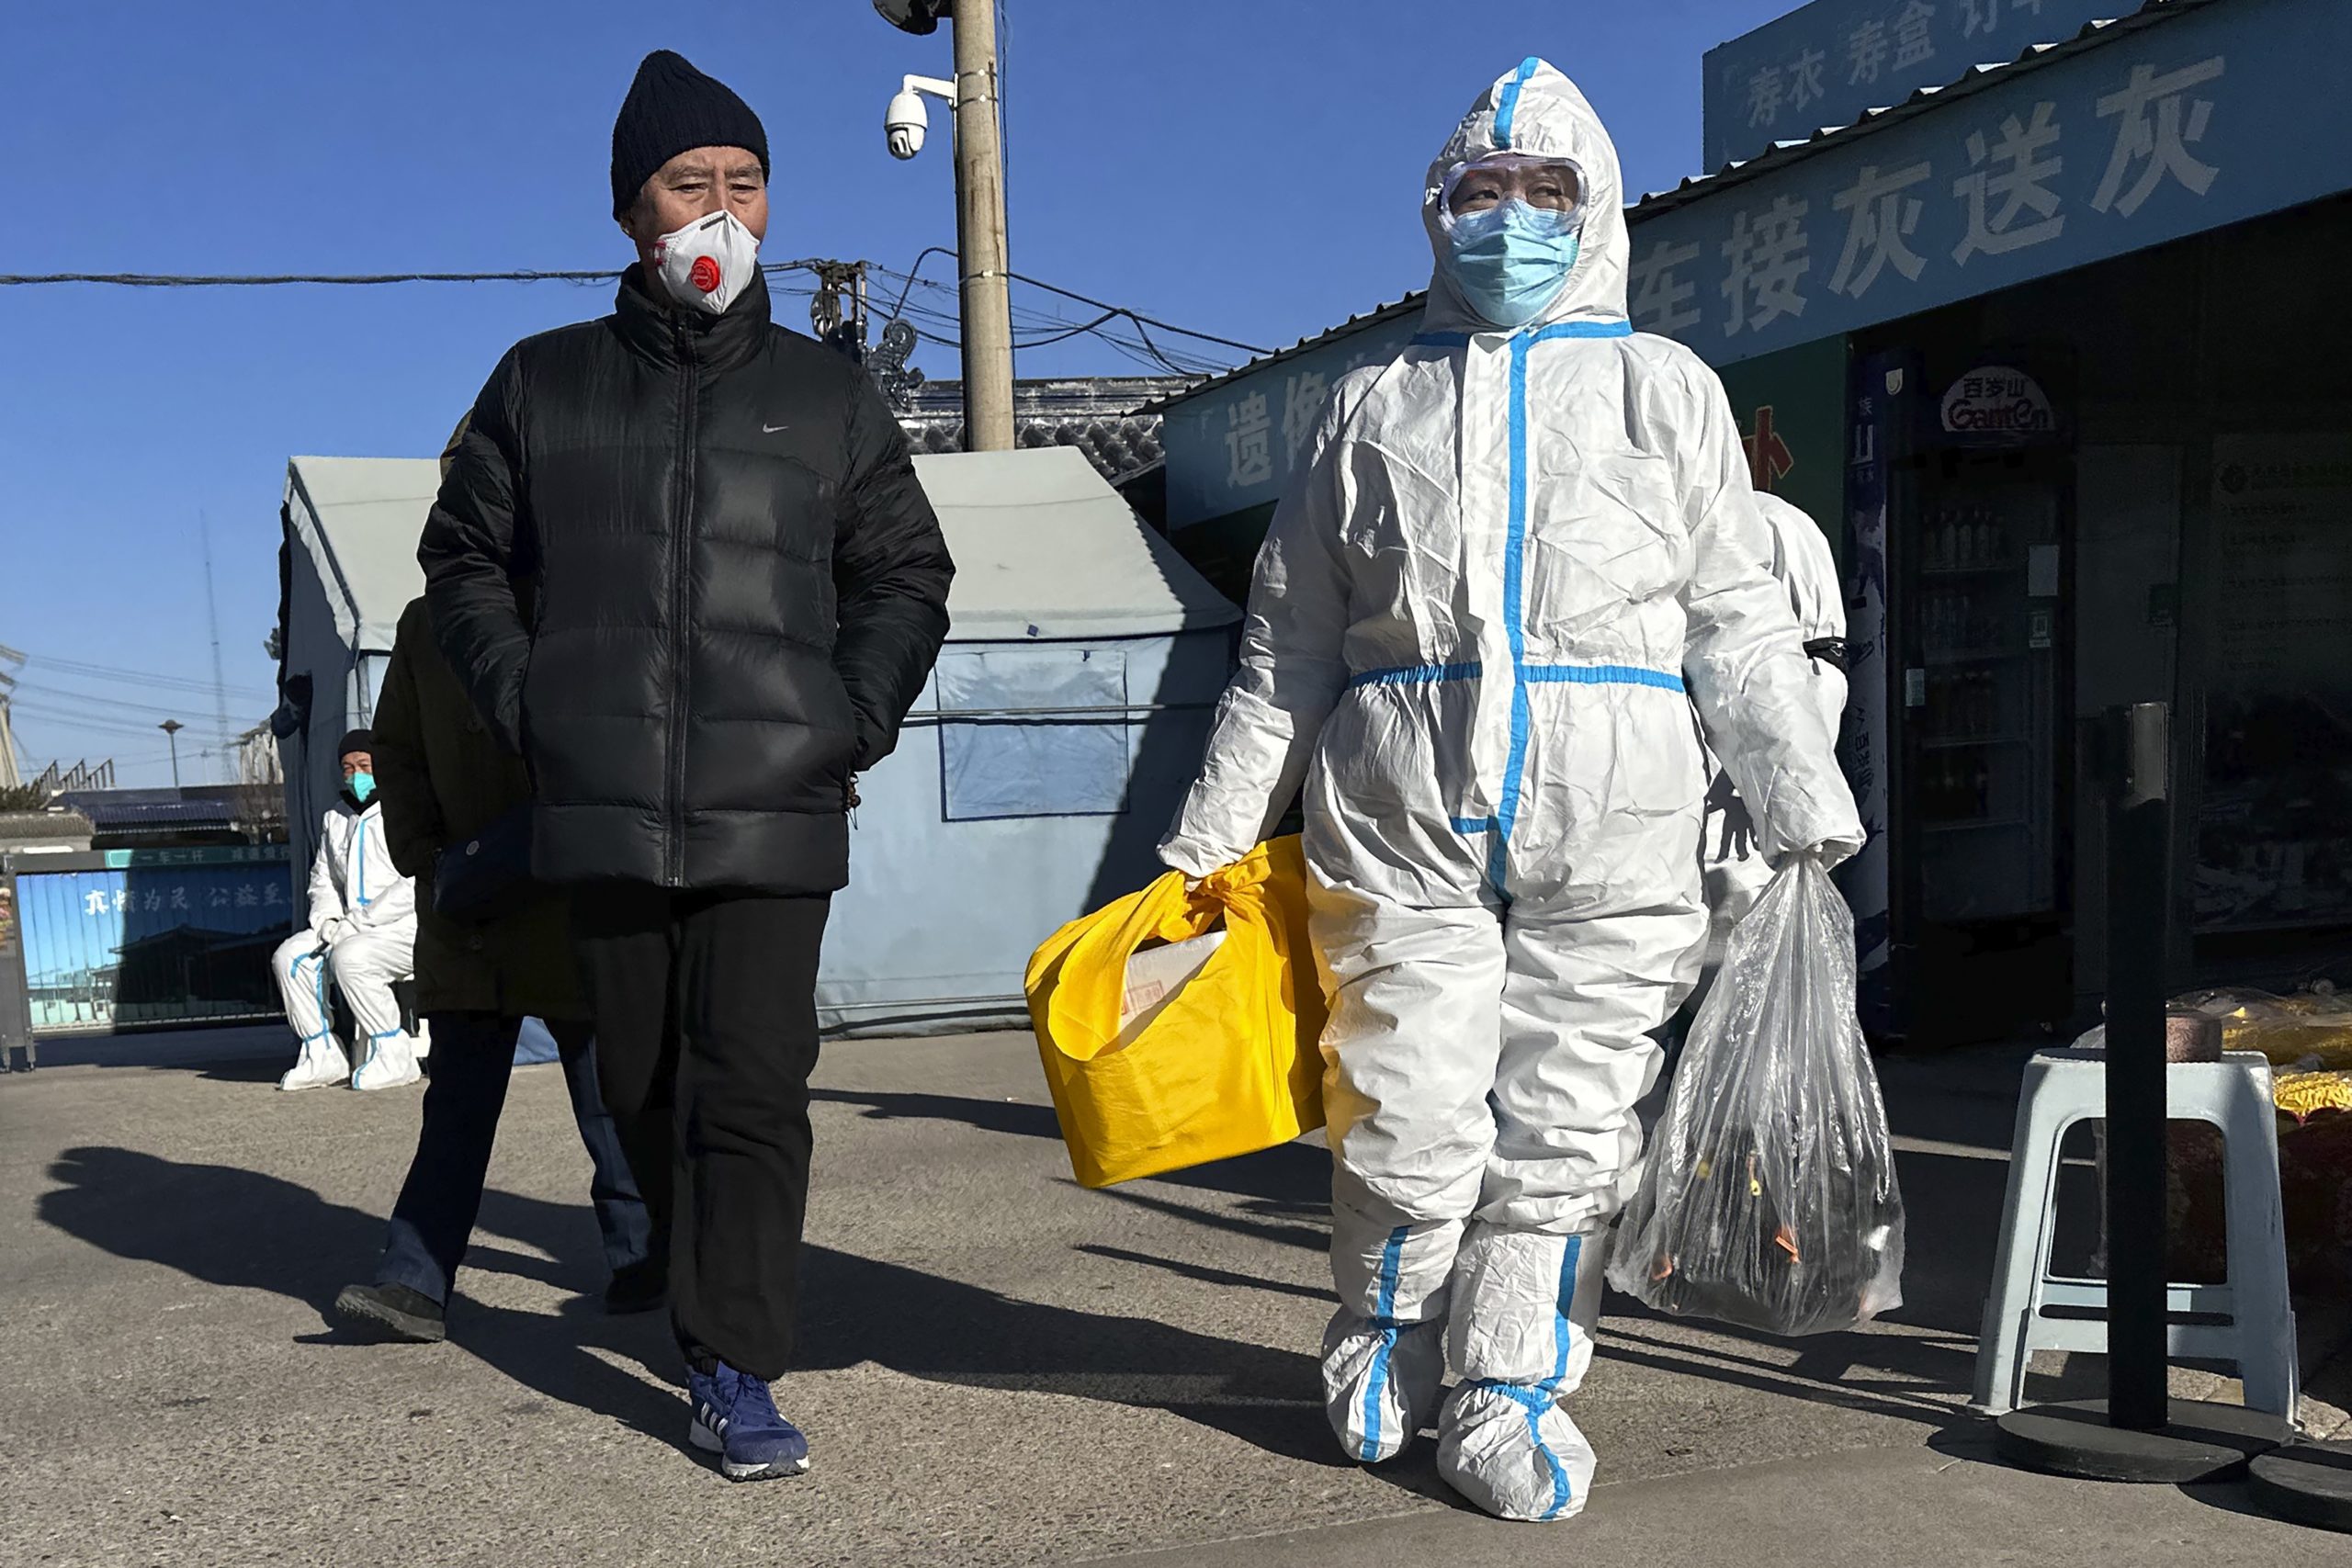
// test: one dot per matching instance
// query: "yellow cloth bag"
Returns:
(1231, 1063)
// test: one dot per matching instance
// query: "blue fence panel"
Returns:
(152, 936)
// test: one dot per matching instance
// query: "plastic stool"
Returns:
(2065, 1086)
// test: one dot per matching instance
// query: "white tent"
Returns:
(346, 570)
(1047, 754)
(1067, 716)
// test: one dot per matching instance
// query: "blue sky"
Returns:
(1248, 167)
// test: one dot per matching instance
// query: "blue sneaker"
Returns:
(735, 1417)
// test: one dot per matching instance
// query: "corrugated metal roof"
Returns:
(1371, 318)
(1782, 154)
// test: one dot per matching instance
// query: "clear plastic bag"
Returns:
(1768, 1200)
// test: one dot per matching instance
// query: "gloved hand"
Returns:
(1830, 853)
(1193, 881)
(1834, 852)
(331, 928)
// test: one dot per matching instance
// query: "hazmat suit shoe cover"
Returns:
(1521, 1335)
(1525, 1305)
(1512, 1452)
(321, 1065)
(390, 1062)
(1381, 1383)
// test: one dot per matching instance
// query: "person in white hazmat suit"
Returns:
(1471, 631)
(361, 938)
(1735, 871)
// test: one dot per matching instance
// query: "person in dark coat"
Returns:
(738, 591)
(447, 788)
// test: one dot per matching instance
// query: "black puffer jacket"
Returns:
(740, 590)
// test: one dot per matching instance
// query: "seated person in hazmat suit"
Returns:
(361, 938)
(1509, 555)
(1735, 872)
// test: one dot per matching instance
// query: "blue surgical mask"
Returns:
(1512, 260)
(361, 787)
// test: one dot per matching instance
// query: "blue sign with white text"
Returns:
(1829, 61)
(2216, 114)
(1234, 447)
(148, 936)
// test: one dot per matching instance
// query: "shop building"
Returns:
(2051, 350)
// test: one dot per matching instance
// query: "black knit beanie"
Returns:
(672, 108)
(356, 740)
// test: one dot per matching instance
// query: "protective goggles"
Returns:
(1546, 184)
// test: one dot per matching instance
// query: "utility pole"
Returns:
(985, 292)
(980, 234)
(171, 727)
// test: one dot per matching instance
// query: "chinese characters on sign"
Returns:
(1830, 63)
(2012, 173)
(1238, 446)
(2157, 146)
(1766, 260)
(1880, 215)
(1247, 442)
(2106, 151)
(106, 903)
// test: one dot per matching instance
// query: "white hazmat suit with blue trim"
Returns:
(1470, 635)
(361, 938)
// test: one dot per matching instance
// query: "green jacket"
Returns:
(443, 779)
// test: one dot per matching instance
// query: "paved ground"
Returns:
(1001, 1368)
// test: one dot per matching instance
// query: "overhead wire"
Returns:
(346, 279)
(932, 326)
(41, 692)
(87, 670)
(118, 728)
(1141, 348)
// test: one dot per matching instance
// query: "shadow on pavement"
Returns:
(243, 1230)
(1016, 1117)
(1207, 1276)
(238, 1229)
(859, 1310)
(1294, 1179)
(1952, 1203)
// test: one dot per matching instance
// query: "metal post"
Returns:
(2138, 1433)
(15, 1004)
(980, 234)
(2138, 909)
(171, 727)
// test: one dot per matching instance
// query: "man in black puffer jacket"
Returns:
(738, 590)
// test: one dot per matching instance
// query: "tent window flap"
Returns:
(1036, 753)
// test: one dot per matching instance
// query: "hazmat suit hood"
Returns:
(1534, 110)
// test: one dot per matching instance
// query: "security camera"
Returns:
(905, 122)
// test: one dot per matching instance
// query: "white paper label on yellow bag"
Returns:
(1155, 975)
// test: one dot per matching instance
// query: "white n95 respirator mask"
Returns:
(709, 262)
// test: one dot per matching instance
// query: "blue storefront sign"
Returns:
(1828, 63)
(150, 936)
(2206, 116)
(1235, 446)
